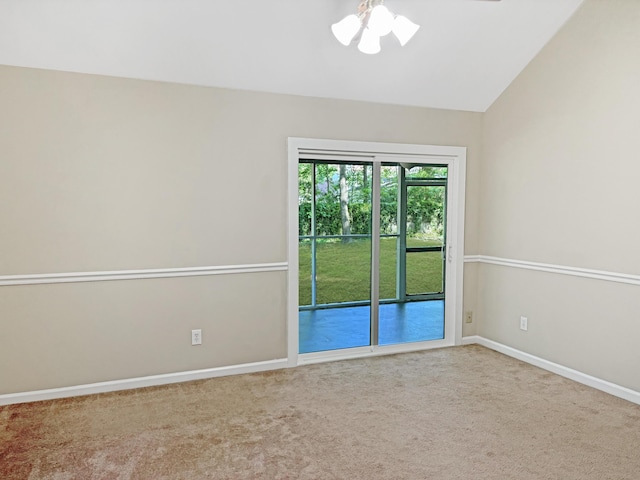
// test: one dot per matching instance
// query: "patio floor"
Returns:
(348, 327)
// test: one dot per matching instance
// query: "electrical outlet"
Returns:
(524, 323)
(196, 337)
(468, 317)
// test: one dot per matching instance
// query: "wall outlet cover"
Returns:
(524, 323)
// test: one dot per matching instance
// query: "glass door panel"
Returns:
(338, 315)
(417, 314)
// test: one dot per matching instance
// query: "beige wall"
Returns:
(559, 185)
(100, 173)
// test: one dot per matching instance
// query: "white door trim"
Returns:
(455, 157)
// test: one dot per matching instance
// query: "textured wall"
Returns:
(100, 173)
(559, 185)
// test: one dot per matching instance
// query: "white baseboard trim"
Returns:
(470, 340)
(165, 379)
(594, 382)
(141, 382)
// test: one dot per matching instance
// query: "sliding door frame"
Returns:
(455, 159)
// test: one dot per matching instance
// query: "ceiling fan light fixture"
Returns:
(373, 21)
(369, 42)
(404, 29)
(380, 20)
(346, 29)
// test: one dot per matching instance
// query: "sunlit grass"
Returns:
(344, 270)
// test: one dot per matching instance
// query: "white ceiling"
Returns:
(464, 56)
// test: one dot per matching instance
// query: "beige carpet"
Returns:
(460, 413)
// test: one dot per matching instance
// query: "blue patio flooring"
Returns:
(348, 327)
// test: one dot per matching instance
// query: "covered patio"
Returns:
(347, 327)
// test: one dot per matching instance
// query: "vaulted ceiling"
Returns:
(463, 57)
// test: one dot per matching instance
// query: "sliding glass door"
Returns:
(372, 251)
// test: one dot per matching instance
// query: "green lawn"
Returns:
(344, 270)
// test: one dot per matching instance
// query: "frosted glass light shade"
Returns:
(369, 42)
(346, 29)
(381, 21)
(404, 29)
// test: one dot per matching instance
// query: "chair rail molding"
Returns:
(101, 276)
(557, 269)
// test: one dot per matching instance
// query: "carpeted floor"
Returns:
(459, 413)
